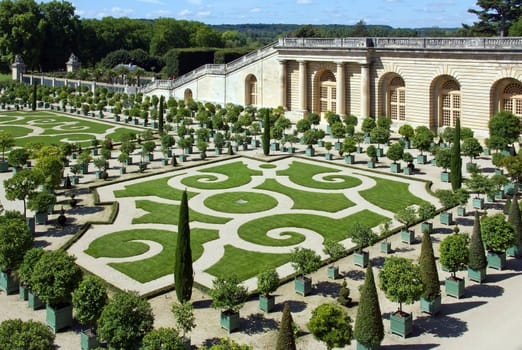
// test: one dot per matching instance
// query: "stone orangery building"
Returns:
(428, 81)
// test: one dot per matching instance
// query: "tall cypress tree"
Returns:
(266, 133)
(369, 330)
(429, 274)
(183, 274)
(285, 338)
(456, 160)
(160, 115)
(477, 255)
(34, 96)
(514, 219)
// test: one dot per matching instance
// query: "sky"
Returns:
(396, 13)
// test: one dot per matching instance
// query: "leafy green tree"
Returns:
(18, 157)
(456, 160)
(29, 335)
(52, 168)
(479, 184)
(369, 329)
(443, 158)
(505, 126)
(23, 185)
(395, 152)
(184, 317)
(125, 320)
(454, 252)
(477, 257)
(31, 257)
(368, 124)
(55, 276)
(89, 299)
(406, 131)
(472, 148)
(161, 119)
(495, 17)
(7, 140)
(338, 130)
(183, 273)
(228, 294)
(380, 135)
(400, 280)
(428, 269)
(331, 324)
(162, 338)
(423, 138)
(15, 241)
(285, 337)
(497, 233)
(304, 261)
(333, 248)
(514, 219)
(513, 166)
(362, 235)
(228, 344)
(267, 281)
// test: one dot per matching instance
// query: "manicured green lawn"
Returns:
(390, 195)
(268, 166)
(238, 174)
(239, 262)
(117, 245)
(330, 202)
(337, 229)
(302, 174)
(16, 131)
(240, 202)
(161, 213)
(158, 187)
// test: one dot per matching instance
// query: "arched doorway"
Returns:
(446, 98)
(251, 97)
(508, 97)
(187, 96)
(327, 92)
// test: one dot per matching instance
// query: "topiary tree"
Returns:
(406, 131)
(428, 269)
(423, 138)
(183, 272)
(15, 241)
(368, 124)
(497, 233)
(454, 253)
(369, 329)
(406, 215)
(380, 135)
(18, 157)
(395, 152)
(400, 280)
(285, 337)
(330, 324)
(505, 126)
(514, 219)
(456, 160)
(471, 148)
(344, 295)
(29, 335)
(426, 211)
(477, 256)
(443, 158)
(89, 299)
(266, 131)
(25, 272)
(162, 338)
(371, 152)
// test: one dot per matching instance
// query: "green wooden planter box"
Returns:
(513, 251)
(445, 176)
(88, 341)
(349, 159)
(328, 156)
(310, 152)
(266, 303)
(401, 325)
(41, 218)
(165, 162)
(218, 151)
(229, 320)
(360, 346)
(274, 146)
(461, 211)
(94, 152)
(359, 149)
(395, 168)
(84, 168)
(149, 157)
(455, 287)
(23, 292)
(367, 139)
(31, 225)
(486, 151)
(499, 195)
(380, 152)
(421, 159)
(59, 318)
(499, 171)
(291, 150)
(431, 307)
(333, 272)
(427, 227)
(478, 203)
(446, 218)
(99, 174)
(371, 164)
(477, 275)
(320, 143)
(34, 302)
(8, 283)
(497, 260)
(255, 143)
(338, 145)
(385, 247)
(361, 258)
(407, 171)
(407, 236)
(123, 170)
(4, 166)
(303, 285)
(182, 158)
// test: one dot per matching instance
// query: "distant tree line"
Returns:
(45, 34)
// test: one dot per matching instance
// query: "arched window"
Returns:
(450, 103)
(512, 99)
(187, 96)
(396, 99)
(251, 90)
(328, 92)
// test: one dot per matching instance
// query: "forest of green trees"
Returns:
(45, 34)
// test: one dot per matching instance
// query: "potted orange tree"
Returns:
(407, 216)
(363, 236)
(498, 235)
(426, 211)
(229, 296)
(304, 261)
(454, 255)
(267, 282)
(336, 251)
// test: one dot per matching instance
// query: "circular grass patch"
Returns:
(268, 166)
(240, 202)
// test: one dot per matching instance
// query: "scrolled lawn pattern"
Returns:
(303, 173)
(237, 173)
(154, 267)
(390, 195)
(158, 214)
(240, 202)
(158, 187)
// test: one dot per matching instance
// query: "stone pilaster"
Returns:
(340, 90)
(365, 90)
(303, 86)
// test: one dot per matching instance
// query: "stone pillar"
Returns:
(282, 83)
(303, 86)
(365, 90)
(340, 90)
(93, 87)
(18, 68)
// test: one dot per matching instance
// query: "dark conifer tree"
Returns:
(429, 274)
(183, 273)
(34, 97)
(477, 254)
(285, 338)
(507, 206)
(514, 219)
(369, 329)
(266, 133)
(456, 160)
(160, 116)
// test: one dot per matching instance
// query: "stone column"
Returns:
(365, 90)
(303, 86)
(340, 90)
(282, 83)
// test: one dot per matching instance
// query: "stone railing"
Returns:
(490, 43)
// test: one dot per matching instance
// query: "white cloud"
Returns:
(203, 14)
(304, 2)
(121, 12)
(255, 10)
(184, 13)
